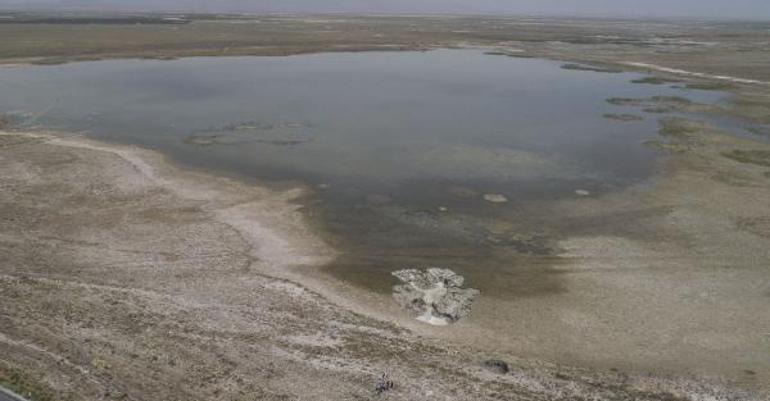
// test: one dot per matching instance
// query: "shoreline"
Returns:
(272, 229)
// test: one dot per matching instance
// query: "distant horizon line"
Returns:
(17, 9)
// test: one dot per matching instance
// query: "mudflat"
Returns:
(127, 278)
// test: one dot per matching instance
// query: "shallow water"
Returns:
(402, 145)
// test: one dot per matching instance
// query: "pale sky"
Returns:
(753, 9)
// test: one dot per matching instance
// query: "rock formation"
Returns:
(434, 296)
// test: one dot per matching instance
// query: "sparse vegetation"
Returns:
(623, 117)
(677, 127)
(710, 86)
(581, 67)
(675, 100)
(20, 383)
(757, 157)
(105, 20)
(654, 80)
(5, 121)
(656, 110)
(760, 130)
(624, 101)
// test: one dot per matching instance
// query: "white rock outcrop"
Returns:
(434, 296)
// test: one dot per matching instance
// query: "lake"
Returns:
(402, 147)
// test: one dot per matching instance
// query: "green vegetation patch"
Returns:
(624, 101)
(710, 86)
(654, 80)
(664, 104)
(657, 110)
(757, 157)
(23, 385)
(581, 67)
(733, 178)
(508, 54)
(623, 117)
(676, 100)
(677, 127)
(661, 146)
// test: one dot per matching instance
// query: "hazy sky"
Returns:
(754, 9)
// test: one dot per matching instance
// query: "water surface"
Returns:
(402, 146)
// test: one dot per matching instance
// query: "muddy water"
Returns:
(401, 146)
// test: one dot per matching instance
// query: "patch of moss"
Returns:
(756, 157)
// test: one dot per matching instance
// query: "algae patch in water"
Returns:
(623, 117)
(278, 134)
(210, 140)
(665, 104)
(678, 134)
